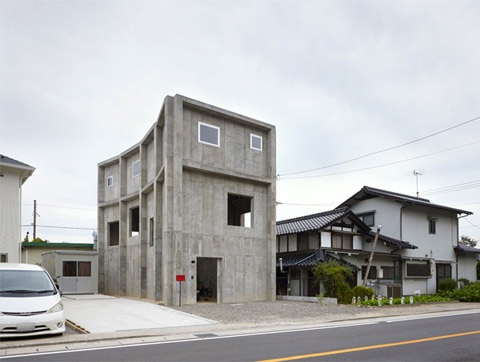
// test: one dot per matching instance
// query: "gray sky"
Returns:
(81, 81)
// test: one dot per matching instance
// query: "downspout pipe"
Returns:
(458, 239)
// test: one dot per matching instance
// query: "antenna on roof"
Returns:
(416, 173)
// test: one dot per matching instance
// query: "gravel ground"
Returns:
(290, 312)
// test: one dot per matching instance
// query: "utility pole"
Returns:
(371, 256)
(34, 219)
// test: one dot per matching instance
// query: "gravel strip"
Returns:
(289, 312)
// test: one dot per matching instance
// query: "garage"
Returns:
(76, 272)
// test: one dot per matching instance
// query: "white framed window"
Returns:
(208, 134)
(136, 168)
(256, 142)
(109, 181)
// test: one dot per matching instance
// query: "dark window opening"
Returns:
(302, 242)
(239, 210)
(418, 270)
(432, 226)
(372, 273)
(388, 272)
(69, 268)
(3, 258)
(113, 233)
(134, 221)
(151, 233)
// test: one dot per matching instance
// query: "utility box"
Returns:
(76, 272)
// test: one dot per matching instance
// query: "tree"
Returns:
(465, 240)
(333, 276)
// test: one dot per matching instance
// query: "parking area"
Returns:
(99, 313)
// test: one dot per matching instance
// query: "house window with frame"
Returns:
(418, 269)
(388, 272)
(368, 218)
(113, 233)
(342, 241)
(109, 181)
(256, 142)
(432, 226)
(3, 258)
(136, 168)
(208, 134)
(372, 273)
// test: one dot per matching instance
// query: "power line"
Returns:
(60, 227)
(381, 165)
(293, 204)
(383, 150)
(62, 207)
(477, 226)
(453, 188)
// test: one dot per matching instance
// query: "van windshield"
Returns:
(25, 283)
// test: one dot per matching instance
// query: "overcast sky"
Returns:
(81, 81)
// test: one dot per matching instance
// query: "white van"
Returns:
(30, 303)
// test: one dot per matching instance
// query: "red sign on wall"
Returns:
(180, 278)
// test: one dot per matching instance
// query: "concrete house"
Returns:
(432, 228)
(194, 199)
(340, 234)
(13, 175)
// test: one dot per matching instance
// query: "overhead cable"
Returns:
(382, 150)
(381, 165)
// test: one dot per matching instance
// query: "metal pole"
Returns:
(180, 294)
(371, 256)
(34, 219)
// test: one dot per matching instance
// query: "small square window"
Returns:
(368, 219)
(208, 134)
(136, 168)
(256, 142)
(109, 181)
(3, 258)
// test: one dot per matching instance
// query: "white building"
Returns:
(13, 175)
(432, 228)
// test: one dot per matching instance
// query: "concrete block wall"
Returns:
(184, 187)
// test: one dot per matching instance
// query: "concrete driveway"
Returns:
(99, 313)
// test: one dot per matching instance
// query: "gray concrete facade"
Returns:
(195, 197)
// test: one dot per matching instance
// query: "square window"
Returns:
(136, 168)
(109, 181)
(208, 134)
(239, 210)
(368, 219)
(3, 258)
(113, 233)
(256, 142)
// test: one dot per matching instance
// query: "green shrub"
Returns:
(465, 281)
(447, 284)
(469, 293)
(333, 275)
(362, 292)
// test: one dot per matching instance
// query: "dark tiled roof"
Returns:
(307, 258)
(369, 192)
(315, 221)
(465, 249)
(11, 162)
(393, 242)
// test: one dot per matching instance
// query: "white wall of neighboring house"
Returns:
(387, 214)
(10, 221)
(467, 267)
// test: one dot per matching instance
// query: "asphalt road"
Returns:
(451, 338)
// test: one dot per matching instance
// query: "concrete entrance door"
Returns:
(207, 276)
(76, 277)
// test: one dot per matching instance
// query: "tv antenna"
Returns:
(417, 173)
